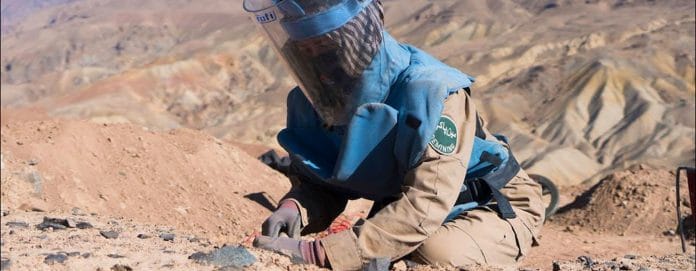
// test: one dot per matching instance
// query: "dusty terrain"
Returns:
(146, 117)
(582, 88)
(210, 193)
(123, 170)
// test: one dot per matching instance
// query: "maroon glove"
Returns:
(285, 219)
(302, 252)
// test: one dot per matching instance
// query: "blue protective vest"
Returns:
(370, 156)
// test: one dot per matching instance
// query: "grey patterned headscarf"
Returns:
(329, 66)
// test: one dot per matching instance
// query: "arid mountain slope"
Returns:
(162, 64)
(583, 88)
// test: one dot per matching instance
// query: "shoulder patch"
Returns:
(446, 136)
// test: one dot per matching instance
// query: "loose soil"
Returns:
(210, 193)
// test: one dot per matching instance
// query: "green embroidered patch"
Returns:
(445, 138)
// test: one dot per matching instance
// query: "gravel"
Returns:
(121, 267)
(115, 256)
(17, 224)
(55, 223)
(167, 236)
(109, 234)
(586, 261)
(55, 258)
(84, 225)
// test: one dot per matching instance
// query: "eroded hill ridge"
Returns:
(582, 88)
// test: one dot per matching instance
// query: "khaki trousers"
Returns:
(481, 236)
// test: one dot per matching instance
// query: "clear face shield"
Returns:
(327, 44)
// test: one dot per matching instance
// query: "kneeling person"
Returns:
(376, 119)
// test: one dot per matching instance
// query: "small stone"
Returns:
(84, 225)
(630, 256)
(55, 258)
(169, 251)
(121, 267)
(625, 267)
(586, 261)
(32, 162)
(55, 223)
(556, 266)
(73, 254)
(144, 236)
(86, 255)
(167, 236)
(643, 269)
(226, 256)
(71, 223)
(115, 256)
(669, 233)
(5, 212)
(109, 234)
(611, 265)
(5, 263)
(17, 224)
(379, 264)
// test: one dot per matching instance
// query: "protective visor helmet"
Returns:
(328, 45)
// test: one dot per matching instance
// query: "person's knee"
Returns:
(443, 250)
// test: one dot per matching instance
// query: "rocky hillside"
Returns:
(584, 88)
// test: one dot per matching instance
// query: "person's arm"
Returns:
(429, 192)
(318, 205)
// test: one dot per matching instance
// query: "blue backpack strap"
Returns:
(497, 179)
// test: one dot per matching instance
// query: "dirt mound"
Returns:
(635, 201)
(630, 262)
(180, 178)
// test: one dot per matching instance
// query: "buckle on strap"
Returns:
(496, 180)
(481, 189)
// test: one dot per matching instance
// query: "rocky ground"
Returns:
(83, 196)
(93, 242)
(81, 241)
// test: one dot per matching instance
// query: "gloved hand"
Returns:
(286, 219)
(301, 252)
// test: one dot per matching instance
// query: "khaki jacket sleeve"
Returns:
(428, 195)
